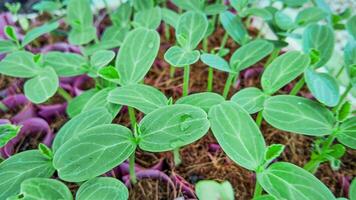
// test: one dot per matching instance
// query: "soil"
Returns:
(29, 142)
(153, 190)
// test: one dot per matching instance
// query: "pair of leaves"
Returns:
(190, 30)
(80, 18)
(20, 167)
(85, 150)
(242, 58)
(8, 132)
(134, 63)
(44, 81)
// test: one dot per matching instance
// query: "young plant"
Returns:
(241, 59)
(191, 28)
(211, 190)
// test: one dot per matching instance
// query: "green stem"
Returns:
(176, 156)
(259, 119)
(224, 41)
(342, 98)
(186, 80)
(172, 71)
(297, 87)
(273, 55)
(205, 44)
(132, 116)
(339, 72)
(228, 84)
(64, 94)
(258, 190)
(132, 171)
(210, 79)
(312, 165)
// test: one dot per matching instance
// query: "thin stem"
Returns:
(273, 55)
(342, 98)
(312, 165)
(210, 79)
(167, 32)
(224, 40)
(176, 156)
(339, 72)
(186, 80)
(172, 71)
(132, 116)
(205, 44)
(297, 87)
(259, 119)
(64, 94)
(132, 171)
(258, 190)
(228, 84)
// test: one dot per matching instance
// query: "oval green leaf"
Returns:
(19, 64)
(93, 152)
(148, 18)
(283, 70)
(233, 128)
(251, 99)
(38, 31)
(234, 27)
(101, 58)
(287, 181)
(45, 188)
(212, 190)
(134, 65)
(171, 127)
(351, 26)
(180, 57)
(298, 115)
(20, 167)
(103, 188)
(215, 62)
(75, 106)
(323, 87)
(65, 64)
(310, 15)
(250, 54)
(142, 97)
(43, 86)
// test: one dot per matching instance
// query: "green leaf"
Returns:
(43, 86)
(75, 106)
(101, 58)
(171, 127)
(140, 5)
(65, 64)
(8, 132)
(212, 190)
(233, 128)
(38, 31)
(7, 46)
(352, 192)
(283, 21)
(100, 100)
(20, 167)
(104, 188)
(122, 15)
(142, 97)
(239, 5)
(344, 111)
(347, 133)
(149, 18)
(44, 188)
(193, 5)
(351, 26)
(350, 53)
(214, 9)
(19, 64)
(109, 73)
(46, 6)
(250, 54)
(320, 38)
(80, 123)
(93, 152)
(45, 151)
(134, 65)
(180, 57)
(298, 115)
(203, 100)
(251, 99)
(191, 29)
(234, 27)
(10, 32)
(272, 152)
(323, 87)
(265, 197)
(169, 17)
(259, 12)
(310, 15)
(215, 62)
(287, 181)
(283, 70)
